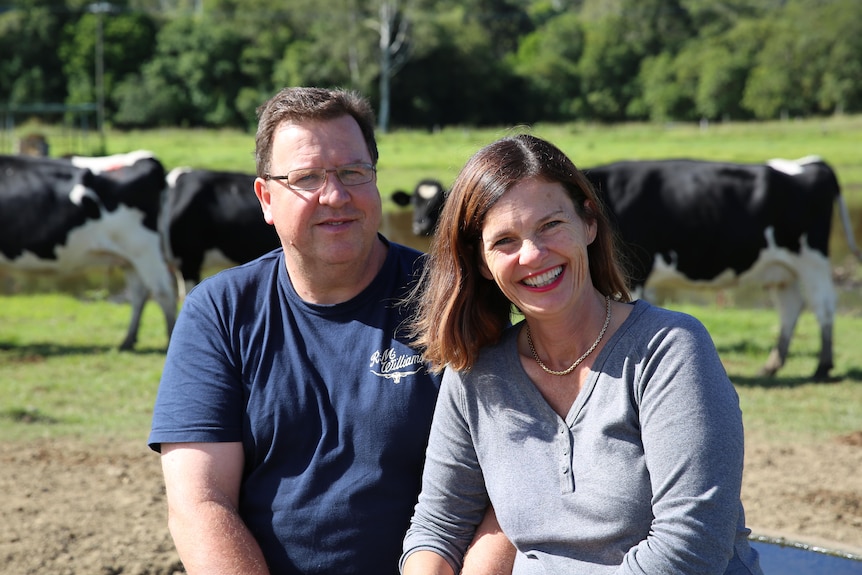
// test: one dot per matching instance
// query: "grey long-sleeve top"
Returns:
(642, 477)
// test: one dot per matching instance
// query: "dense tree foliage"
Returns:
(431, 63)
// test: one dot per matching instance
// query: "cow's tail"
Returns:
(165, 232)
(848, 228)
(843, 212)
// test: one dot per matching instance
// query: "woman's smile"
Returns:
(547, 279)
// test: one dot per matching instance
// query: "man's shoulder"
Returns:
(404, 253)
(398, 246)
(249, 275)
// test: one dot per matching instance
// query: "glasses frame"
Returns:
(286, 178)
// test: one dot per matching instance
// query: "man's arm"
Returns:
(490, 553)
(203, 483)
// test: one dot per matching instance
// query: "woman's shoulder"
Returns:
(498, 357)
(648, 321)
(667, 317)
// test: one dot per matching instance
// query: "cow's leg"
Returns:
(825, 362)
(140, 290)
(789, 302)
(163, 290)
(157, 281)
(137, 293)
(820, 293)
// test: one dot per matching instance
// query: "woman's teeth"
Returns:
(545, 278)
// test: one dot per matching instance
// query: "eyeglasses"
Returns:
(312, 179)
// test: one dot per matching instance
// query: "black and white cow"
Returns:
(715, 224)
(58, 217)
(112, 163)
(427, 202)
(213, 219)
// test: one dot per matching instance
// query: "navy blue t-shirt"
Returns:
(331, 404)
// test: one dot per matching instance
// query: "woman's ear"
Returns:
(590, 220)
(483, 269)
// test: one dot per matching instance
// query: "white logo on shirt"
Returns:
(393, 365)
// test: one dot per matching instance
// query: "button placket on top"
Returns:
(565, 447)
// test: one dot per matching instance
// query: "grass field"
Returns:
(60, 373)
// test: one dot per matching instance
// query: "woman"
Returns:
(605, 434)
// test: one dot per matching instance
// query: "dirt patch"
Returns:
(71, 509)
(811, 493)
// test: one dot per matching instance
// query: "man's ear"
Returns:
(261, 190)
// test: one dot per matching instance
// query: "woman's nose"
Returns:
(531, 251)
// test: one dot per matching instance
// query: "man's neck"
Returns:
(319, 283)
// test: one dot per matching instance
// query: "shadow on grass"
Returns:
(34, 351)
(746, 347)
(27, 415)
(777, 381)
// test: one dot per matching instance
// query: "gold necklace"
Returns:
(580, 359)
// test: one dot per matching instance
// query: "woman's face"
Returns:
(534, 246)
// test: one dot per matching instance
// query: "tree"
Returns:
(438, 62)
(721, 84)
(726, 62)
(775, 86)
(667, 93)
(196, 64)
(266, 29)
(711, 19)
(31, 70)
(393, 29)
(454, 78)
(810, 62)
(128, 38)
(838, 25)
(547, 62)
(608, 68)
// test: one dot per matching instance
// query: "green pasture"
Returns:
(60, 372)
(61, 375)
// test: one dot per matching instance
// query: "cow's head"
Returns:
(427, 201)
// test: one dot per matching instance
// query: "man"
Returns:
(292, 415)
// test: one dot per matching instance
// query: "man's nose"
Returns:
(333, 192)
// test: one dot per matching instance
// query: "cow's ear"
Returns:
(401, 198)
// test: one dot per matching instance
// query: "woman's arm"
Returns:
(692, 435)
(453, 501)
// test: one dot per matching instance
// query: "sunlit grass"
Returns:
(790, 406)
(61, 374)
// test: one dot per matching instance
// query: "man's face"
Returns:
(335, 224)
